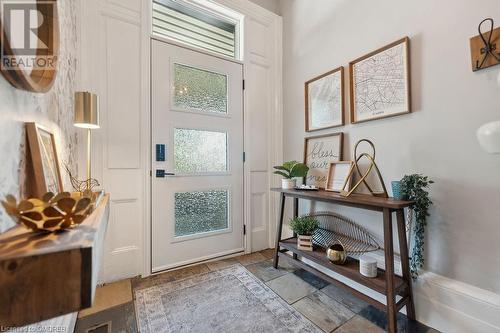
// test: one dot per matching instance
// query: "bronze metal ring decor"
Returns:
(363, 176)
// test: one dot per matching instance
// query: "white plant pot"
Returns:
(288, 183)
(305, 243)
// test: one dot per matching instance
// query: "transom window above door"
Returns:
(213, 29)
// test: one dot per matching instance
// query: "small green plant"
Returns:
(414, 188)
(304, 226)
(291, 169)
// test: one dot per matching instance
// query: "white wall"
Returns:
(53, 110)
(449, 101)
(271, 5)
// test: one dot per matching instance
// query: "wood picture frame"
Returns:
(384, 77)
(45, 161)
(319, 152)
(330, 103)
(339, 176)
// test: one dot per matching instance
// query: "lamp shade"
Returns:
(86, 110)
(488, 136)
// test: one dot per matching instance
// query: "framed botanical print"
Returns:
(324, 100)
(380, 83)
(319, 152)
(46, 172)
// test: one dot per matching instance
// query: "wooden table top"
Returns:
(357, 200)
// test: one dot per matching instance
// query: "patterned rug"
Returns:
(229, 300)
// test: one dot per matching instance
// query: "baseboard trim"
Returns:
(453, 306)
(443, 303)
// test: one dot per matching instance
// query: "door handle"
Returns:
(162, 173)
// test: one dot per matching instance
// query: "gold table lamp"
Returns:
(87, 116)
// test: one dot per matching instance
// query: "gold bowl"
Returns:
(336, 254)
(51, 212)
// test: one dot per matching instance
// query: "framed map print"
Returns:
(380, 83)
(46, 172)
(324, 97)
(319, 152)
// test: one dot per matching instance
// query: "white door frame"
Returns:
(248, 9)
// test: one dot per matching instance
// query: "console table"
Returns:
(386, 282)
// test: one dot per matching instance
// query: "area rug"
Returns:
(230, 300)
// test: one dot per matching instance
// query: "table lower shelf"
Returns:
(350, 269)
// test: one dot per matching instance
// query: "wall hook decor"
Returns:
(485, 47)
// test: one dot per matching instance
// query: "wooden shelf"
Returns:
(349, 270)
(356, 200)
(48, 275)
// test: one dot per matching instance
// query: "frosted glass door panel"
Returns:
(197, 151)
(199, 90)
(201, 212)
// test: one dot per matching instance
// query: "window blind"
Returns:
(178, 21)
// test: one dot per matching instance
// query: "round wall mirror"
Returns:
(29, 44)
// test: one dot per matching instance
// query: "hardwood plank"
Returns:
(365, 201)
(48, 275)
(349, 270)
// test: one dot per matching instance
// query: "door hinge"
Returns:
(244, 157)
(243, 84)
(244, 229)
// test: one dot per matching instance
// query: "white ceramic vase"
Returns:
(288, 184)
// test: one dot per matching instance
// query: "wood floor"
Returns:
(330, 308)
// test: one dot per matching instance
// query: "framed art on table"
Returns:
(46, 172)
(319, 152)
(380, 83)
(324, 100)
(339, 176)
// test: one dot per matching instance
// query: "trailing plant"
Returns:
(291, 169)
(414, 187)
(304, 226)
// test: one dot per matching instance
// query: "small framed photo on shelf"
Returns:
(380, 83)
(324, 100)
(339, 176)
(46, 172)
(319, 152)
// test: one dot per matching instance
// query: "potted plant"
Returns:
(304, 227)
(291, 170)
(414, 187)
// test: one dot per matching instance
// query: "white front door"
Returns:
(197, 156)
